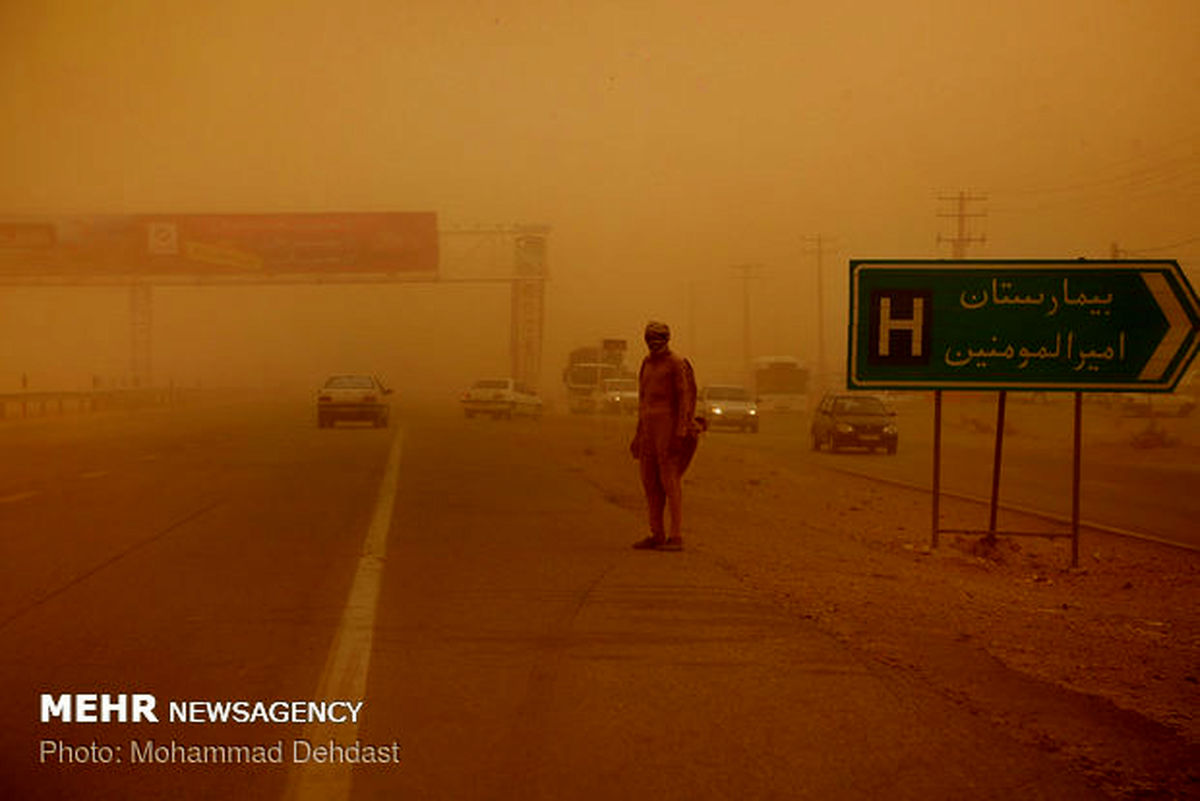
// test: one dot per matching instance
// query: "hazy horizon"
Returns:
(663, 143)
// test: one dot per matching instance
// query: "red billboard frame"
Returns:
(235, 246)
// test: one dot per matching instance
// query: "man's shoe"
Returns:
(649, 543)
(672, 544)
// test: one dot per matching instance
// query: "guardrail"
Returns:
(18, 405)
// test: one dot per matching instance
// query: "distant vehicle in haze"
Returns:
(781, 384)
(620, 396)
(853, 420)
(353, 397)
(727, 406)
(501, 398)
(586, 371)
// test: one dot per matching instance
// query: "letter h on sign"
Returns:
(901, 325)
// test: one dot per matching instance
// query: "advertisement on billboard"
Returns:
(235, 246)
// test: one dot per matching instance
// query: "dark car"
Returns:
(854, 421)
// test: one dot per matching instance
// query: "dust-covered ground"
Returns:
(1099, 664)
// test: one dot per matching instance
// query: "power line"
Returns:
(1165, 170)
(1171, 169)
(1159, 248)
(1109, 195)
(1150, 162)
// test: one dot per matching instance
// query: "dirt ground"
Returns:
(1098, 664)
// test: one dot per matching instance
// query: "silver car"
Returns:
(620, 395)
(728, 406)
(500, 398)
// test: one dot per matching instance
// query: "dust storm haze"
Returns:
(468, 582)
(663, 143)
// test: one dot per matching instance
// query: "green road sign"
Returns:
(1110, 326)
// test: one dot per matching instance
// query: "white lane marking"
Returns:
(17, 496)
(345, 674)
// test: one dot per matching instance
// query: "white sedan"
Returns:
(353, 397)
(500, 397)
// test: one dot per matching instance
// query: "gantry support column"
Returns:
(528, 306)
(141, 318)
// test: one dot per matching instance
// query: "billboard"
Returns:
(236, 246)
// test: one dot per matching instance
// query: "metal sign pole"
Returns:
(937, 463)
(1075, 480)
(996, 463)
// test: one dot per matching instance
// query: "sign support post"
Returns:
(1075, 473)
(937, 463)
(996, 461)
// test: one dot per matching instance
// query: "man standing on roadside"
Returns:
(666, 434)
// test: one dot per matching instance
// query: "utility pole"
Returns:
(747, 272)
(959, 242)
(818, 248)
(528, 298)
(958, 250)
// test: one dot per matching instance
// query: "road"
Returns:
(470, 584)
(1146, 492)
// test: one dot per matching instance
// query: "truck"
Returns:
(586, 371)
(781, 384)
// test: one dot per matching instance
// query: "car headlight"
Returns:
(717, 410)
(844, 428)
(753, 411)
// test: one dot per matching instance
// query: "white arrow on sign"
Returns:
(1178, 327)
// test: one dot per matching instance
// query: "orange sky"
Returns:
(663, 142)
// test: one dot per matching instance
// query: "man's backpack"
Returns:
(697, 424)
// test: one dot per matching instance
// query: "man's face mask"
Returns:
(656, 342)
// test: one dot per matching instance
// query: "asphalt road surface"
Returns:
(461, 580)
